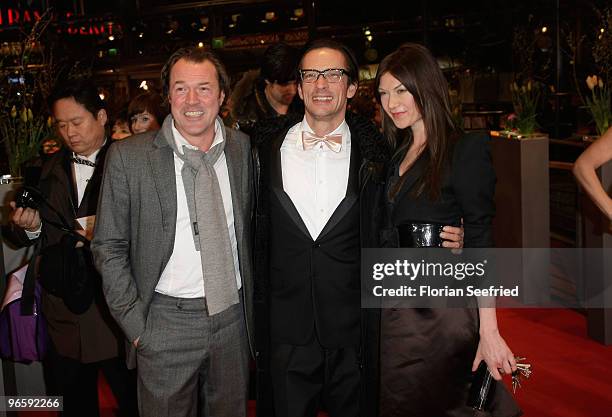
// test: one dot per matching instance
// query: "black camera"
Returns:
(29, 197)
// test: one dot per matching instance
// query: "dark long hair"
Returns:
(417, 70)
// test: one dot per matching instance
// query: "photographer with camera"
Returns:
(59, 214)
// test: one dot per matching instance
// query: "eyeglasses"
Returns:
(331, 75)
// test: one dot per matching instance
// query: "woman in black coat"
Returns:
(437, 175)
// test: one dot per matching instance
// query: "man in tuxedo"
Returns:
(310, 177)
(308, 238)
(84, 336)
(172, 245)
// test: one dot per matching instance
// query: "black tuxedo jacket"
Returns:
(312, 287)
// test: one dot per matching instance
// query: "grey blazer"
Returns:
(136, 222)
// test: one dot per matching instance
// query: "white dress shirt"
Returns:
(82, 173)
(183, 275)
(315, 179)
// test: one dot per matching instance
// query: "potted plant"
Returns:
(522, 124)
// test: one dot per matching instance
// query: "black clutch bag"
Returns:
(482, 389)
(420, 235)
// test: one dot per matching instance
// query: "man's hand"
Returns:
(135, 342)
(452, 237)
(26, 218)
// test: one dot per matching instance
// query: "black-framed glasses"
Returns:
(332, 75)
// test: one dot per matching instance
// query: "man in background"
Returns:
(268, 92)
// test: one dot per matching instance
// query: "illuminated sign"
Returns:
(11, 17)
(69, 23)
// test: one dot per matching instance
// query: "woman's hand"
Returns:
(452, 237)
(493, 349)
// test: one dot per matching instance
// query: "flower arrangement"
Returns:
(525, 99)
(23, 134)
(599, 103)
(24, 79)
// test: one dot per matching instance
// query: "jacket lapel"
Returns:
(61, 171)
(68, 179)
(238, 179)
(352, 189)
(276, 179)
(411, 176)
(161, 160)
(89, 203)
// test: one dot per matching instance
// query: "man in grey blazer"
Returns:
(172, 245)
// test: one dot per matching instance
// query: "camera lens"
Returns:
(26, 199)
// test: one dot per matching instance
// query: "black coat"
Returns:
(467, 191)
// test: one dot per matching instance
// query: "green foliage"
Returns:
(525, 100)
(22, 133)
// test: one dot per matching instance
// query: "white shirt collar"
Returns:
(180, 139)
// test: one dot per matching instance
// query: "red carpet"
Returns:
(572, 374)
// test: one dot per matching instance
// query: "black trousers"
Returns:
(306, 377)
(78, 383)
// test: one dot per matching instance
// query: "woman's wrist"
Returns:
(609, 210)
(488, 327)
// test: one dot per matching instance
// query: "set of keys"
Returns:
(523, 370)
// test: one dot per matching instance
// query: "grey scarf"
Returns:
(209, 224)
